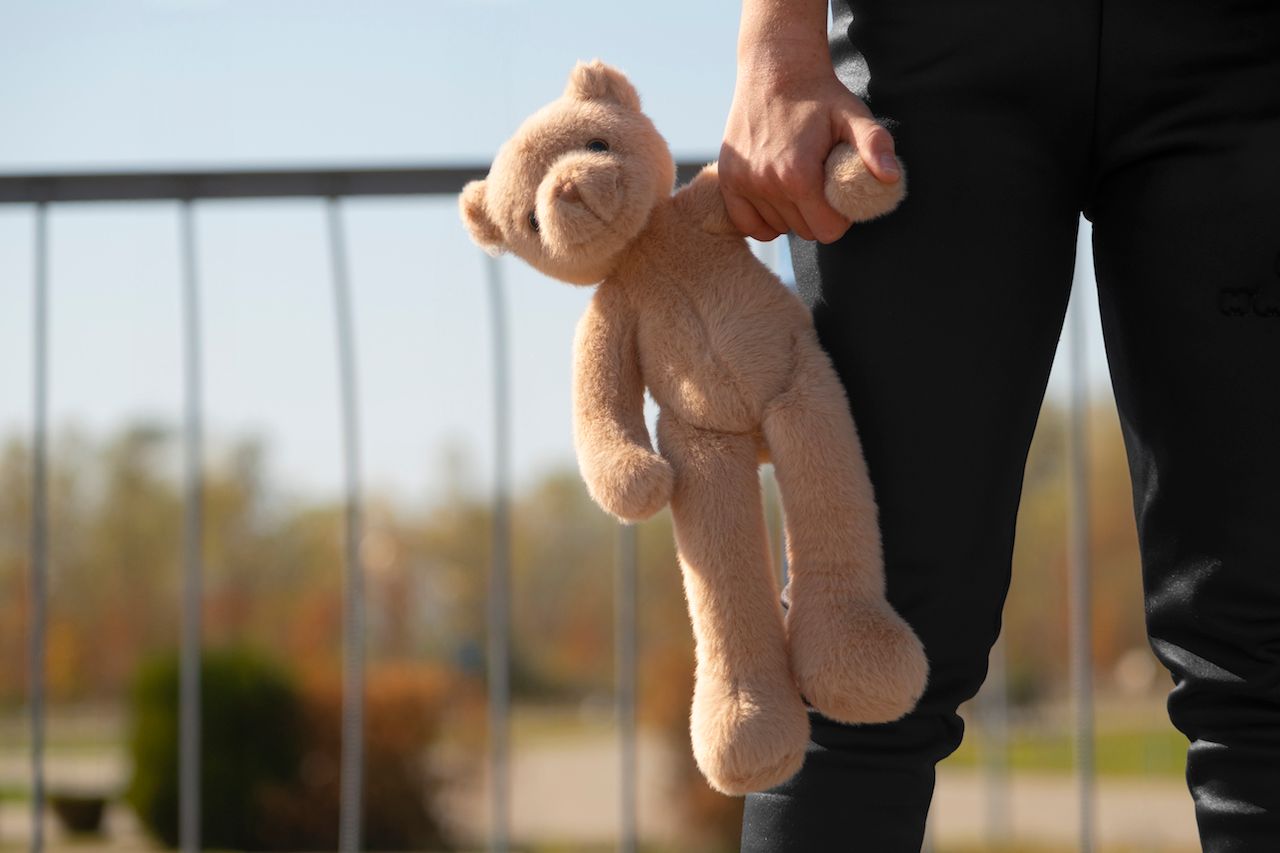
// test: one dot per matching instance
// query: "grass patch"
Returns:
(1121, 753)
(14, 793)
(540, 724)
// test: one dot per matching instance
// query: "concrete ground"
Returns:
(564, 791)
(567, 792)
(1152, 815)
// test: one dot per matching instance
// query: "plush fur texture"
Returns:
(684, 309)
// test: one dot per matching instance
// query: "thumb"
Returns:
(874, 145)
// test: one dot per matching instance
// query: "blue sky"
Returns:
(218, 83)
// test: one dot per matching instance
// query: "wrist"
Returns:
(783, 60)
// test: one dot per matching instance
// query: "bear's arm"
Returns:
(700, 200)
(622, 472)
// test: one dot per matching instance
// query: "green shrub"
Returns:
(250, 740)
(271, 750)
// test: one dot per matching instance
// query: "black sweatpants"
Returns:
(1160, 120)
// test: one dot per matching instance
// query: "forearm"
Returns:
(783, 40)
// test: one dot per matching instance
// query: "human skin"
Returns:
(789, 110)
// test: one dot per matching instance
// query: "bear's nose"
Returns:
(583, 187)
(568, 191)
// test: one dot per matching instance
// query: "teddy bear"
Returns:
(583, 192)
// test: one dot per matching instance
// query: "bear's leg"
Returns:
(854, 658)
(748, 724)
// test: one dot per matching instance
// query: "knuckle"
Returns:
(762, 180)
(792, 178)
(731, 180)
(855, 105)
(876, 136)
(753, 182)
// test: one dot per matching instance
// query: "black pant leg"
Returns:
(1187, 244)
(942, 320)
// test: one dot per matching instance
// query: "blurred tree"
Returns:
(15, 521)
(1036, 612)
(274, 576)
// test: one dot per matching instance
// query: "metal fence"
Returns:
(332, 186)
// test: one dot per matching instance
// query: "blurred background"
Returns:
(527, 665)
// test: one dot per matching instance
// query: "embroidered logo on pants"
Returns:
(1260, 301)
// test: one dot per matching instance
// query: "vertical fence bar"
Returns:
(499, 615)
(625, 644)
(1080, 609)
(39, 587)
(349, 812)
(189, 756)
(994, 706)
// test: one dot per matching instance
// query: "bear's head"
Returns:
(577, 182)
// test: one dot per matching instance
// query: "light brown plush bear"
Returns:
(583, 192)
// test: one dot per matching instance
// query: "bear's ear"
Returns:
(595, 81)
(476, 216)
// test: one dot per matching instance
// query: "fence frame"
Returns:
(329, 186)
(333, 184)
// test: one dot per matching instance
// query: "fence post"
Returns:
(994, 710)
(499, 615)
(189, 757)
(352, 768)
(1080, 588)
(39, 590)
(625, 643)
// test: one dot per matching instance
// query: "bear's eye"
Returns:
(533, 221)
(597, 145)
